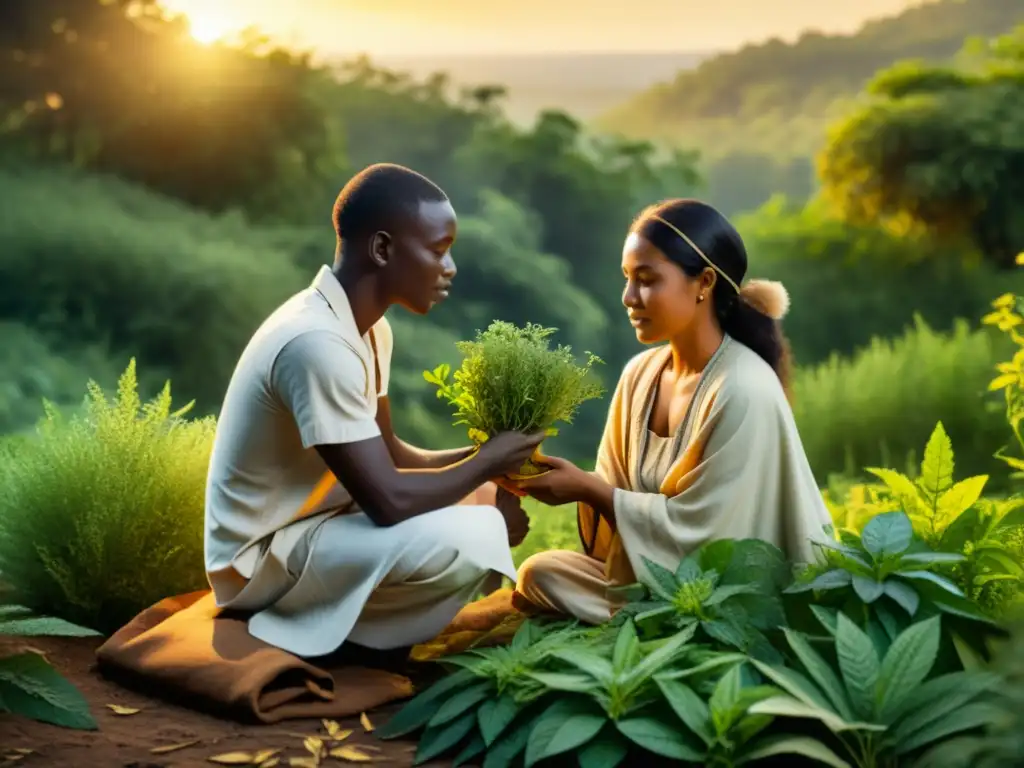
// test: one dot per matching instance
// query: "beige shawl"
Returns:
(740, 469)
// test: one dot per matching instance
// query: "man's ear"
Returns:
(380, 248)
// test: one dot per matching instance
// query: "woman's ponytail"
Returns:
(752, 318)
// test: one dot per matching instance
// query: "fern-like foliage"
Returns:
(102, 513)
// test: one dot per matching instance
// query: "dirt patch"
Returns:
(127, 740)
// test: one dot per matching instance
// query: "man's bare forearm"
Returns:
(410, 457)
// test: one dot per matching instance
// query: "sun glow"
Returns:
(208, 29)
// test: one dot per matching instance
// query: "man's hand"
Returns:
(516, 520)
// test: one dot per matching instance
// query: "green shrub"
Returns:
(985, 535)
(102, 512)
(850, 284)
(95, 261)
(879, 406)
(695, 686)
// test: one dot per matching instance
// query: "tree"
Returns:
(939, 150)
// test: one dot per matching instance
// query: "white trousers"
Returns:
(338, 578)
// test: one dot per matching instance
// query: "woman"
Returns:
(700, 442)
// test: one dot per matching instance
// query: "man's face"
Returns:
(420, 264)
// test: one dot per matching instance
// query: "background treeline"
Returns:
(160, 198)
(760, 114)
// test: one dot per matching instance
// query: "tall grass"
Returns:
(879, 406)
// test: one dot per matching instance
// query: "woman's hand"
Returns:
(564, 484)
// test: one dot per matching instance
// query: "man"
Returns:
(319, 519)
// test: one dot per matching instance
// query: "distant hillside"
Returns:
(777, 97)
(584, 85)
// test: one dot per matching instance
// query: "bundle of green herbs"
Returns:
(511, 379)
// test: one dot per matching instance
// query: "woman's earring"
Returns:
(700, 298)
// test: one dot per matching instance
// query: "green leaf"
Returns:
(44, 626)
(887, 534)
(566, 724)
(689, 707)
(666, 654)
(859, 665)
(787, 706)
(474, 747)
(964, 719)
(821, 673)
(627, 647)
(606, 750)
(721, 594)
(436, 741)
(903, 594)
(509, 746)
(969, 658)
(937, 467)
(725, 632)
(30, 687)
(793, 745)
(834, 579)
(827, 617)
(795, 684)
(887, 619)
(724, 698)
(563, 681)
(456, 705)
(587, 662)
(934, 578)
(495, 715)
(688, 570)
(936, 698)
(653, 613)
(906, 665)
(662, 738)
(718, 661)
(663, 582)
(421, 708)
(901, 487)
(931, 558)
(959, 498)
(867, 589)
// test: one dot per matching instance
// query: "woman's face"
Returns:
(659, 297)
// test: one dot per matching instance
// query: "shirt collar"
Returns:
(327, 285)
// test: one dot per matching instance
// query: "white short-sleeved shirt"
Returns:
(307, 377)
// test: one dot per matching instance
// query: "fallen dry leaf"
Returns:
(163, 750)
(13, 758)
(263, 755)
(23, 751)
(331, 726)
(270, 763)
(232, 758)
(365, 722)
(303, 762)
(314, 745)
(341, 735)
(350, 754)
(118, 709)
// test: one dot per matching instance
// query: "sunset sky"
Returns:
(388, 27)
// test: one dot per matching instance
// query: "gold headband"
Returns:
(700, 253)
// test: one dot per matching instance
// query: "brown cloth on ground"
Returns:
(183, 648)
(186, 649)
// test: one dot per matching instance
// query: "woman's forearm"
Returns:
(600, 496)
